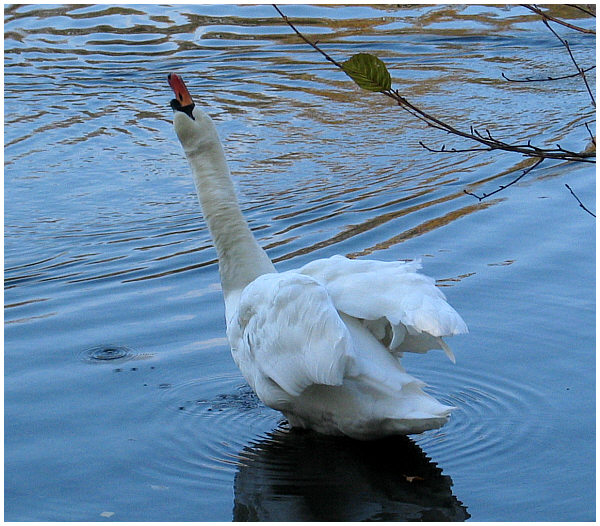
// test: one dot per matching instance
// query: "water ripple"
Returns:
(495, 415)
(107, 353)
(200, 436)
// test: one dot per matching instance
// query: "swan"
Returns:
(321, 344)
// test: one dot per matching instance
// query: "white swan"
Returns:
(322, 344)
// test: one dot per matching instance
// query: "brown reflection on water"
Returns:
(426, 226)
(374, 222)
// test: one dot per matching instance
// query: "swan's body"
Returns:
(321, 344)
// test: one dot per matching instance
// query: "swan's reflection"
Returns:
(302, 476)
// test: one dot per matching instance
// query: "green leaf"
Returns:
(368, 72)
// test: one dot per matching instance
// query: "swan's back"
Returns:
(401, 307)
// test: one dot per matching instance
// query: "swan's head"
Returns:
(194, 128)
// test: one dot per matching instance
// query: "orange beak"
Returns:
(181, 92)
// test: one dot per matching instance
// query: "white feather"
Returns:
(402, 308)
(289, 331)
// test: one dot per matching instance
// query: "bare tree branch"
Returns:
(488, 140)
(579, 201)
(546, 17)
(503, 187)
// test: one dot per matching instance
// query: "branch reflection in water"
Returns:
(298, 475)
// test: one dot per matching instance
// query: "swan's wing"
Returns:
(402, 308)
(288, 335)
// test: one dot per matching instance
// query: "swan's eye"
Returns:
(176, 105)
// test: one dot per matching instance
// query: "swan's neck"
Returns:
(241, 259)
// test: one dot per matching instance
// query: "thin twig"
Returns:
(546, 16)
(502, 187)
(580, 70)
(583, 9)
(313, 45)
(579, 201)
(452, 150)
(529, 79)
(591, 134)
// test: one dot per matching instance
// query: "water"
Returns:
(121, 399)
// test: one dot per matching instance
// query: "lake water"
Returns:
(122, 402)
